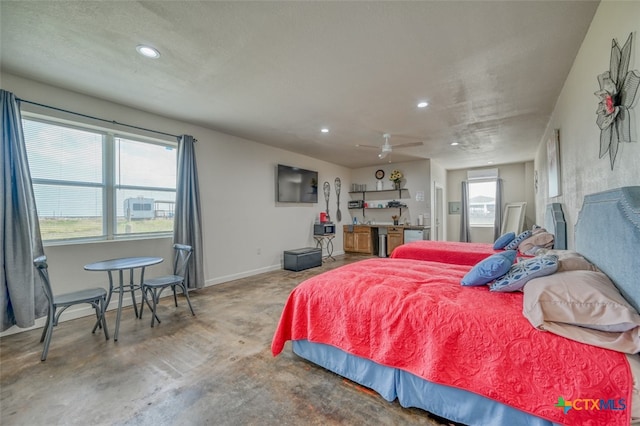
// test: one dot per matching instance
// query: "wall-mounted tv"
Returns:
(296, 185)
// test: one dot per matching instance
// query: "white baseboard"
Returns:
(72, 313)
(85, 310)
(245, 274)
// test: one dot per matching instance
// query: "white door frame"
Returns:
(438, 213)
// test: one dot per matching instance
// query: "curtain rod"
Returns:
(99, 119)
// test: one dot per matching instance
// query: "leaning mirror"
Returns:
(513, 218)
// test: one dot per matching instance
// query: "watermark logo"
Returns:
(565, 405)
(591, 404)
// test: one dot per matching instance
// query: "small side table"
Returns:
(325, 241)
(121, 265)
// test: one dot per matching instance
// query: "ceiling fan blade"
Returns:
(407, 145)
(368, 146)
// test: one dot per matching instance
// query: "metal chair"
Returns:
(96, 297)
(155, 286)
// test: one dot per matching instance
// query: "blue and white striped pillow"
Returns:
(504, 239)
(517, 240)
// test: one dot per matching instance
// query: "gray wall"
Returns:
(582, 171)
(245, 230)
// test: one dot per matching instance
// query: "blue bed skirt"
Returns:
(411, 391)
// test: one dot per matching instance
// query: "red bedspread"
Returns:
(415, 316)
(445, 252)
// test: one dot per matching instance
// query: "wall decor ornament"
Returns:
(326, 188)
(337, 183)
(396, 177)
(553, 163)
(618, 89)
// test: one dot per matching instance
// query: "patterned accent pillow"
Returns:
(520, 273)
(504, 240)
(516, 242)
(489, 269)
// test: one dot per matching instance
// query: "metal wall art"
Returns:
(338, 185)
(618, 89)
(326, 188)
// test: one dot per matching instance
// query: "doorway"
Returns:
(438, 214)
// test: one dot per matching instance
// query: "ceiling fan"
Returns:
(387, 148)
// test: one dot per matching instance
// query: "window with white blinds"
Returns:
(92, 184)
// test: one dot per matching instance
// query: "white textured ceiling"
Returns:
(276, 72)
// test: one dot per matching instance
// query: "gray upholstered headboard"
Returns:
(608, 234)
(554, 223)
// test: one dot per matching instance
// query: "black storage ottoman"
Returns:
(304, 258)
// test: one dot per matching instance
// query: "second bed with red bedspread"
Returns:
(445, 252)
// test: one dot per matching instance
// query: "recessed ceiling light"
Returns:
(147, 51)
(454, 143)
(489, 162)
(324, 130)
(423, 104)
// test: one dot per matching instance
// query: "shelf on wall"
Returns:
(399, 190)
(376, 208)
(377, 190)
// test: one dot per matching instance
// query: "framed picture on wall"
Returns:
(553, 163)
(455, 207)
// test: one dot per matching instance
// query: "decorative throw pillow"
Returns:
(584, 298)
(517, 240)
(489, 269)
(504, 240)
(537, 229)
(522, 272)
(537, 239)
(570, 260)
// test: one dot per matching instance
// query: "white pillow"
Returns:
(570, 260)
(587, 299)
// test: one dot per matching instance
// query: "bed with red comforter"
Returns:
(445, 251)
(416, 317)
(407, 329)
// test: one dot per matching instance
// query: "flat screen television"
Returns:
(296, 185)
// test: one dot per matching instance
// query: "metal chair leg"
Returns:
(96, 325)
(144, 300)
(154, 316)
(97, 306)
(175, 298)
(186, 293)
(46, 325)
(103, 319)
(47, 340)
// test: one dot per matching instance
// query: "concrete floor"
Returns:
(215, 368)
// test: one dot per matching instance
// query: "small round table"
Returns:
(325, 241)
(120, 265)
